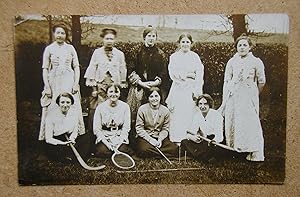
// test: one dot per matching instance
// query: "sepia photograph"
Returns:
(151, 99)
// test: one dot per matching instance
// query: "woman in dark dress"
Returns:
(150, 70)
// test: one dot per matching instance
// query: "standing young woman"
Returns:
(243, 81)
(150, 71)
(107, 66)
(60, 74)
(186, 71)
(152, 127)
(112, 124)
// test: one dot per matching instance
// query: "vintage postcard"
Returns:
(151, 99)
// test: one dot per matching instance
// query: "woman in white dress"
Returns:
(243, 81)
(60, 74)
(186, 71)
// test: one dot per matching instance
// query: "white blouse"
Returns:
(212, 123)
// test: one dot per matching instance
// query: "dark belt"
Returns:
(109, 128)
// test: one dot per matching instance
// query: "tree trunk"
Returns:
(76, 31)
(50, 29)
(239, 25)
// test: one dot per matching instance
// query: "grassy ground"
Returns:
(238, 170)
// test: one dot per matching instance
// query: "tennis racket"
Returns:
(122, 160)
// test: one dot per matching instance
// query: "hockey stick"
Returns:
(218, 144)
(81, 161)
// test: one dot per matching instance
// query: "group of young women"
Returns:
(154, 114)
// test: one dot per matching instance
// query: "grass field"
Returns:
(236, 170)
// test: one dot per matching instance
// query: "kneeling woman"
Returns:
(61, 122)
(112, 124)
(152, 127)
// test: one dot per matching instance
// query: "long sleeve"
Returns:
(75, 61)
(165, 128)
(123, 68)
(260, 72)
(227, 78)
(196, 123)
(140, 125)
(90, 73)
(46, 58)
(218, 128)
(97, 125)
(126, 126)
(49, 132)
(213, 124)
(199, 76)
(174, 73)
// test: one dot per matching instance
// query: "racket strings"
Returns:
(123, 161)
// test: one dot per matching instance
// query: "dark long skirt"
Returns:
(204, 151)
(145, 149)
(102, 151)
(61, 152)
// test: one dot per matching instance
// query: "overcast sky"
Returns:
(276, 23)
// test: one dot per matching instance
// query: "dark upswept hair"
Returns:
(243, 37)
(148, 92)
(149, 29)
(115, 85)
(185, 35)
(65, 94)
(208, 98)
(106, 31)
(63, 27)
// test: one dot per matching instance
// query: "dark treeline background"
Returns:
(213, 55)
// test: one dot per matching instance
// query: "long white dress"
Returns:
(243, 129)
(60, 61)
(179, 100)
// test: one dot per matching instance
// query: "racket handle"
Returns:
(164, 155)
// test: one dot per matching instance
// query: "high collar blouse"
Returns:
(100, 65)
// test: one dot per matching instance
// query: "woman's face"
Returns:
(109, 40)
(150, 38)
(65, 104)
(154, 99)
(203, 105)
(185, 44)
(243, 47)
(59, 35)
(113, 93)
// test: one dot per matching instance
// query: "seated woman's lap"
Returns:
(145, 149)
(101, 150)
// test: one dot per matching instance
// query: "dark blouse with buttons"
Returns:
(151, 62)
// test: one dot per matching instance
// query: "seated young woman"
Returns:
(208, 123)
(112, 124)
(152, 127)
(61, 122)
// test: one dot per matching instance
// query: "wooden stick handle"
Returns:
(218, 144)
(164, 155)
